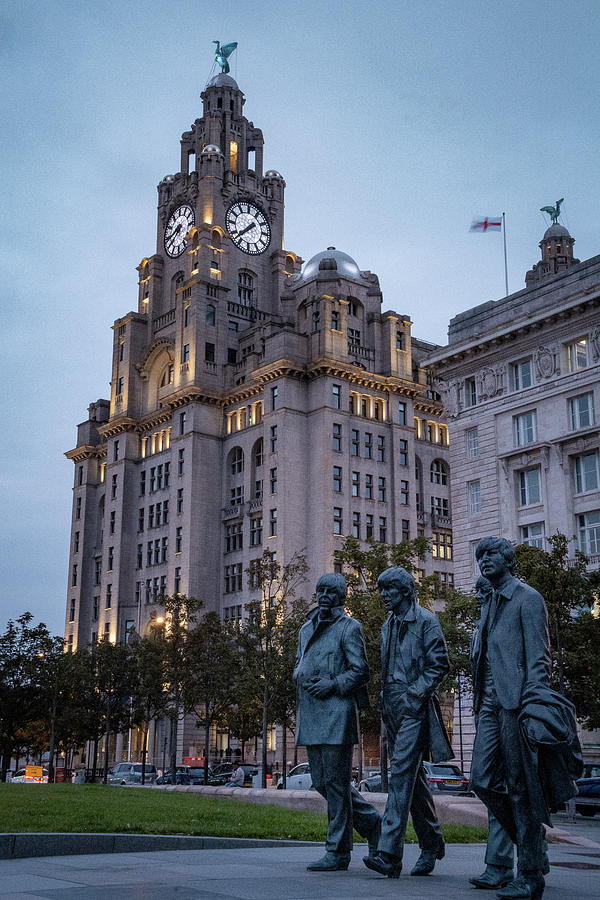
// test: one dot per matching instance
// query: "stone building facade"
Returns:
(521, 386)
(256, 403)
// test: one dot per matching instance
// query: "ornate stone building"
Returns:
(256, 403)
(521, 379)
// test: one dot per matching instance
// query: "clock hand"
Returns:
(247, 228)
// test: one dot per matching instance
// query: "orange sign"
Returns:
(34, 773)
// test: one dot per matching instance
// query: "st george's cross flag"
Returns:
(490, 223)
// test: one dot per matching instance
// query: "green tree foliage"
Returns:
(458, 619)
(149, 698)
(570, 592)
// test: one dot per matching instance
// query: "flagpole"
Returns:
(505, 263)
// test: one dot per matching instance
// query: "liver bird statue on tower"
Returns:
(222, 53)
(553, 211)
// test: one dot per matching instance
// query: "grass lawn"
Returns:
(100, 808)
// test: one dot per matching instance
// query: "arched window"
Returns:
(236, 460)
(167, 375)
(246, 286)
(438, 472)
(216, 239)
(210, 314)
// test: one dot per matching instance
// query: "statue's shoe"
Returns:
(331, 862)
(524, 887)
(377, 863)
(374, 840)
(426, 861)
(494, 878)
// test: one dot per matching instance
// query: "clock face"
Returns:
(248, 227)
(178, 226)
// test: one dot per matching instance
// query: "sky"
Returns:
(395, 124)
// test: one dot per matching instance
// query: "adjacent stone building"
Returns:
(256, 403)
(521, 386)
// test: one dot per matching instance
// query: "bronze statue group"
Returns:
(526, 753)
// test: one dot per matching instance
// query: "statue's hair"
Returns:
(500, 545)
(399, 576)
(336, 581)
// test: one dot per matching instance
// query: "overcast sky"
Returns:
(393, 123)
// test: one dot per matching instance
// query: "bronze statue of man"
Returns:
(414, 661)
(331, 674)
(512, 649)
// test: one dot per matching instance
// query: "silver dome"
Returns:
(273, 173)
(211, 148)
(168, 179)
(222, 80)
(344, 264)
(556, 231)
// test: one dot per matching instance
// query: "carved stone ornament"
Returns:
(489, 383)
(595, 342)
(545, 362)
(449, 392)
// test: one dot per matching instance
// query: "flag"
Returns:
(490, 223)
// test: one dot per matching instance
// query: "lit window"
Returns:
(525, 428)
(577, 355)
(581, 411)
(587, 472)
(530, 490)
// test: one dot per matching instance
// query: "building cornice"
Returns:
(118, 425)
(86, 451)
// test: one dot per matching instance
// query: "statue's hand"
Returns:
(320, 687)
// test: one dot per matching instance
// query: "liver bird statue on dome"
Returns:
(553, 211)
(222, 53)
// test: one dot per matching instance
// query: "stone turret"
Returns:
(557, 255)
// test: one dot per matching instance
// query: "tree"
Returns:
(22, 676)
(570, 592)
(149, 698)
(213, 661)
(262, 639)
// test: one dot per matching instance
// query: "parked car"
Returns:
(181, 777)
(298, 779)
(224, 771)
(441, 777)
(591, 770)
(21, 776)
(131, 773)
(587, 801)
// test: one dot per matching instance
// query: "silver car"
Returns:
(299, 779)
(131, 773)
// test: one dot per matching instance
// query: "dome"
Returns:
(210, 149)
(556, 231)
(273, 173)
(168, 179)
(222, 80)
(335, 259)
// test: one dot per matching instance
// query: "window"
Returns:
(156, 552)
(116, 450)
(581, 411)
(209, 352)
(233, 578)
(140, 520)
(525, 428)
(74, 575)
(185, 353)
(274, 396)
(474, 497)
(530, 491)
(335, 320)
(533, 535)
(96, 608)
(111, 526)
(78, 508)
(234, 538)
(236, 495)
(210, 316)
(316, 320)
(337, 520)
(470, 392)
(381, 488)
(256, 531)
(443, 435)
(521, 375)
(108, 596)
(120, 385)
(336, 396)
(369, 526)
(353, 337)
(403, 452)
(404, 493)
(164, 550)
(177, 582)
(273, 480)
(438, 473)
(180, 461)
(356, 525)
(368, 486)
(113, 489)
(97, 570)
(588, 532)
(121, 351)
(368, 445)
(381, 448)
(355, 443)
(80, 475)
(151, 516)
(587, 476)
(178, 539)
(337, 437)
(383, 529)
(405, 530)
(245, 288)
(159, 477)
(400, 340)
(142, 483)
(577, 355)
(180, 500)
(441, 545)
(165, 512)
(111, 558)
(472, 440)
(337, 479)
(76, 542)
(273, 438)
(149, 553)
(273, 523)
(237, 460)
(402, 412)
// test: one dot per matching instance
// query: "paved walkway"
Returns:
(268, 873)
